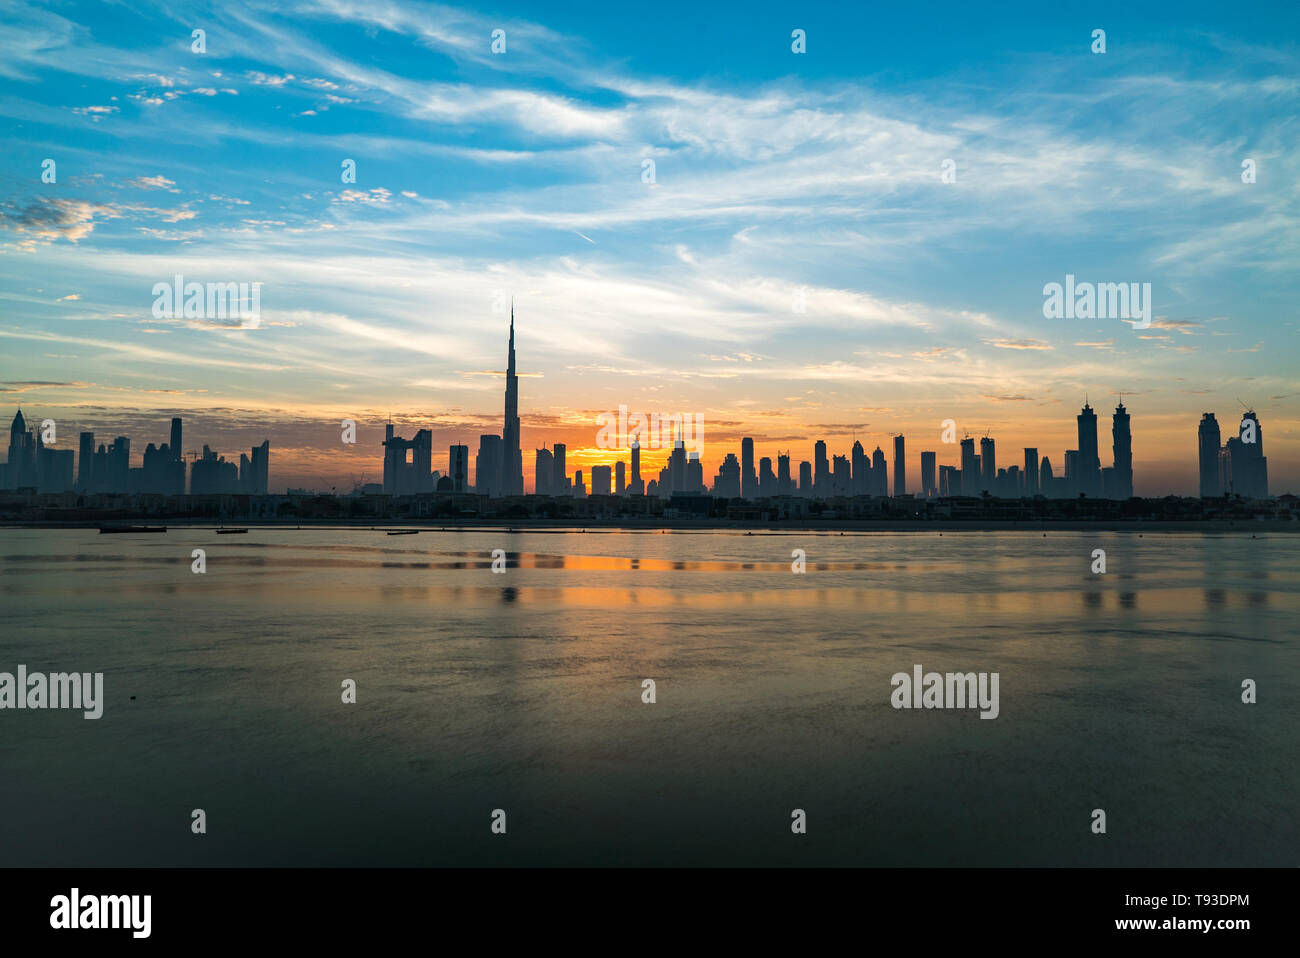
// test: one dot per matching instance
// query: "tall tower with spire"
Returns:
(1089, 479)
(512, 460)
(23, 444)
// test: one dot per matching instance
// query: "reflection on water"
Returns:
(521, 690)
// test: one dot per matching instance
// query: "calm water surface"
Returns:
(522, 691)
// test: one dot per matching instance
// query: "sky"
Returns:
(794, 266)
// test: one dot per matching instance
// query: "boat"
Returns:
(230, 532)
(107, 529)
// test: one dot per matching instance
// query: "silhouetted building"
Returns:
(458, 467)
(970, 468)
(1207, 438)
(85, 460)
(728, 483)
(900, 467)
(408, 463)
(1121, 480)
(544, 473)
(601, 478)
(213, 475)
(783, 485)
(1086, 475)
(805, 478)
(1246, 469)
(54, 472)
(861, 470)
(620, 478)
(512, 462)
(1011, 482)
(1031, 471)
(637, 486)
(928, 487)
(821, 469)
(1071, 488)
(988, 467)
(949, 481)
(487, 466)
(254, 472)
(560, 484)
(879, 473)
(748, 478)
(841, 476)
(20, 467)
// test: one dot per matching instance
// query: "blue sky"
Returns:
(483, 175)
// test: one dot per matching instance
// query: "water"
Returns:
(522, 691)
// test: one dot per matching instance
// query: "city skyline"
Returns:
(34, 462)
(1238, 465)
(821, 245)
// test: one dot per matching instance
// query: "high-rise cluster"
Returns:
(1239, 466)
(107, 468)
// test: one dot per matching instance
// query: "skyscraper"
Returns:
(928, 488)
(560, 477)
(727, 483)
(85, 459)
(1122, 439)
(458, 467)
(821, 469)
(948, 483)
(1087, 479)
(261, 466)
(637, 486)
(119, 465)
(620, 478)
(174, 447)
(22, 454)
(988, 467)
(1207, 437)
(600, 480)
(879, 473)
(403, 476)
(861, 470)
(1031, 471)
(900, 467)
(544, 473)
(672, 478)
(512, 462)
(1247, 468)
(694, 481)
(783, 486)
(487, 466)
(748, 478)
(970, 469)
(841, 476)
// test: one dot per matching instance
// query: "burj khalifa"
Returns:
(512, 461)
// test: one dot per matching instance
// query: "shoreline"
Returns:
(803, 527)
